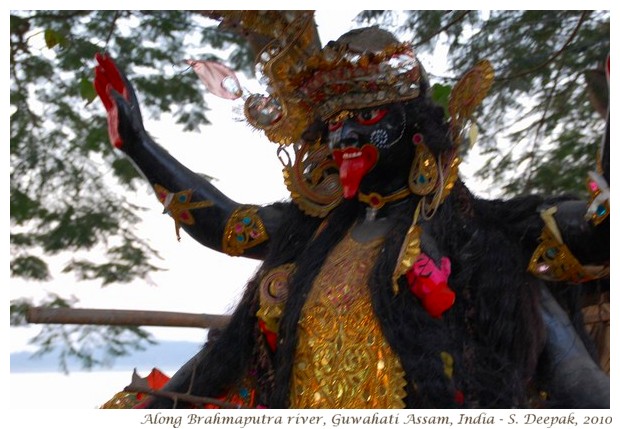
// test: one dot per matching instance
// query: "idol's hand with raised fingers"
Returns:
(125, 126)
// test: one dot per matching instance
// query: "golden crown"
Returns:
(364, 68)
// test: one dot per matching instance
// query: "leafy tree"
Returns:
(538, 129)
(536, 122)
(63, 168)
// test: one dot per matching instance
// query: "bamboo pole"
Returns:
(85, 316)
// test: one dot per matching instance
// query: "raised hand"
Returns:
(125, 125)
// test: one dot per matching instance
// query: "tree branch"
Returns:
(536, 141)
(582, 18)
(458, 18)
(138, 386)
(83, 316)
(115, 18)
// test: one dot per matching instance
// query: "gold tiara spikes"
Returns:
(364, 68)
(283, 40)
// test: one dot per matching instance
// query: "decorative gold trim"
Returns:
(244, 230)
(312, 179)
(409, 251)
(305, 81)
(273, 291)
(552, 260)
(449, 171)
(467, 95)
(178, 206)
(424, 172)
(342, 359)
(376, 200)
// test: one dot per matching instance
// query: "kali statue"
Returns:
(385, 283)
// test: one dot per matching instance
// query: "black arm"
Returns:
(196, 205)
(575, 380)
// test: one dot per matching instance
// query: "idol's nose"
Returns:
(350, 136)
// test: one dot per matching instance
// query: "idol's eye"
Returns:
(370, 117)
(334, 124)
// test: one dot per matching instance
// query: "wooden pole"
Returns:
(84, 316)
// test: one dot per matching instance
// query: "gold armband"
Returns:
(552, 260)
(244, 230)
(178, 205)
(598, 207)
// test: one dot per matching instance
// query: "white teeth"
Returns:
(350, 155)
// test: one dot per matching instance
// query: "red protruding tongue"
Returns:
(354, 163)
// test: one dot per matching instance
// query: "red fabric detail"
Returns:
(429, 284)
(270, 336)
(156, 380)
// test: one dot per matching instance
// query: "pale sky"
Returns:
(197, 280)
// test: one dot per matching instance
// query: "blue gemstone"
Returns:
(552, 252)
(601, 210)
(182, 198)
(246, 220)
(422, 179)
(240, 238)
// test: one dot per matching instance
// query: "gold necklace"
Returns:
(376, 200)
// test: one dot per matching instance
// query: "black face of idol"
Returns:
(372, 148)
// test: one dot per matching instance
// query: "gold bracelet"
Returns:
(178, 206)
(244, 230)
(598, 207)
(552, 260)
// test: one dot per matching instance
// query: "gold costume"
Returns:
(342, 359)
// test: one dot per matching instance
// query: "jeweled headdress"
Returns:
(363, 68)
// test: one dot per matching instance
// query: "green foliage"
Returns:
(441, 95)
(93, 346)
(539, 98)
(18, 310)
(66, 179)
(30, 267)
(64, 174)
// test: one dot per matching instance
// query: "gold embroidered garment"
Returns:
(342, 359)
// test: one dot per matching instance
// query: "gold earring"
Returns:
(424, 173)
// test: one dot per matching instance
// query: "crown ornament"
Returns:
(303, 81)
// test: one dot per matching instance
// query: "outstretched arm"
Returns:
(574, 379)
(574, 244)
(194, 203)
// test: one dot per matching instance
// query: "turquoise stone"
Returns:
(552, 252)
